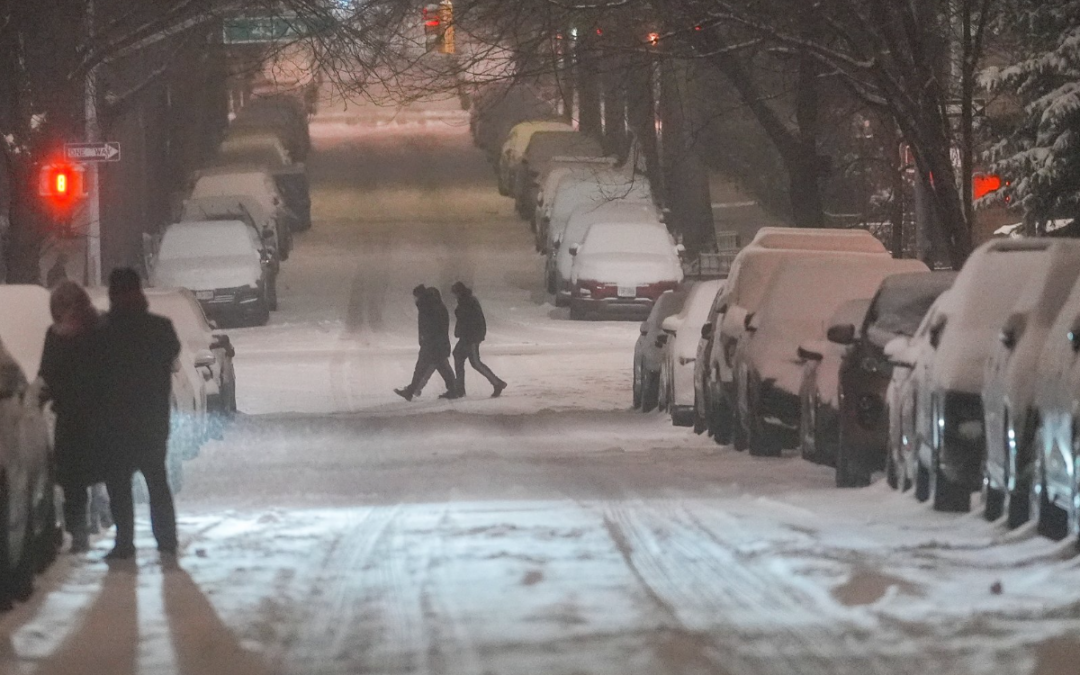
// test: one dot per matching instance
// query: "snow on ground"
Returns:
(338, 529)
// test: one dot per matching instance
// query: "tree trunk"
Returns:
(588, 89)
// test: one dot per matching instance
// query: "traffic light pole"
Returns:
(93, 135)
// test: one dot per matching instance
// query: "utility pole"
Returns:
(93, 135)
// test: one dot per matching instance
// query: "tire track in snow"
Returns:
(754, 620)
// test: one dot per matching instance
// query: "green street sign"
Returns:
(264, 29)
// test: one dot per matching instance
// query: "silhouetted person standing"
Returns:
(71, 370)
(433, 326)
(138, 352)
(470, 330)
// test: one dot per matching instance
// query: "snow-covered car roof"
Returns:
(232, 207)
(520, 134)
(23, 323)
(231, 180)
(593, 186)
(207, 238)
(264, 149)
(827, 239)
(618, 211)
(545, 145)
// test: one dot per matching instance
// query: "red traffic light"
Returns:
(61, 184)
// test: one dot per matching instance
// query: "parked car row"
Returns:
(236, 225)
(607, 250)
(950, 383)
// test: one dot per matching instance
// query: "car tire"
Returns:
(1019, 510)
(1050, 520)
(851, 471)
(761, 441)
(892, 472)
(700, 424)
(551, 287)
(993, 500)
(262, 314)
(650, 391)
(948, 496)
(637, 385)
(722, 423)
(577, 312)
(922, 482)
(272, 295)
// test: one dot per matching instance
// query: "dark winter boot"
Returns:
(405, 393)
(498, 389)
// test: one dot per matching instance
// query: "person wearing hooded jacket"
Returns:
(470, 329)
(138, 351)
(433, 327)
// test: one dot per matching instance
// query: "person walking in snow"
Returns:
(138, 353)
(69, 369)
(433, 327)
(470, 330)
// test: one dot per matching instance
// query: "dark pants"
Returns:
(470, 351)
(75, 503)
(427, 364)
(162, 511)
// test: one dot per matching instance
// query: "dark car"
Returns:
(865, 372)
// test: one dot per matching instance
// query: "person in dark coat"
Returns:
(433, 326)
(138, 353)
(470, 330)
(69, 368)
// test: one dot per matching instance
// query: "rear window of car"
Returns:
(547, 144)
(626, 238)
(899, 307)
(205, 240)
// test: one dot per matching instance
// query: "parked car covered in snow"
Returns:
(223, 263)
(865, 372)
(282, 114)
(950, 365)
(701, 366)
(648, 351)
(225, 184)
(748, 279)
(680, 351)
(559, 265)
(621, 269)
(547, 150)
(800, 298)
(819, 409)
(579, 189)
(1055, 491)
(264, 150)
(514, 146)
(29, 536)
(1009, 386)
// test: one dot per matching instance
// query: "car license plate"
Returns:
(627, 291)
(204, 295)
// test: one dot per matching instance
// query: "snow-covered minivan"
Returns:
(222, 263)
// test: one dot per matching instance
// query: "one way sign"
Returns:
(93, 152)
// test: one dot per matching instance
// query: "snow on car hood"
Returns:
(627, 269)
(207, 273)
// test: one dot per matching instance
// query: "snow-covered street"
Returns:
(339, 529)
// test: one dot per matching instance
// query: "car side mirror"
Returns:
(749, 322)
(204, 358)
(661, 340)
(223, 342)
(1012, 331)
(807, 354)
(896, 351)
(706, 331)
(574, 249)
(671, 325)
(680, 249)
(842, 334)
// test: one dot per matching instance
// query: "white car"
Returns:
(579, 188)
(1011, 379)
(749, 276)
(514, 147)
(559, 264)
(680, 351)
(257, 184)
(29, 536)
(622, 268)
(265, 150)
(950, 366)
(222, 263)
(649, 349)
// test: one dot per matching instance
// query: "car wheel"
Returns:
(1019, 496)
(551, 288)
(993, 499)
(722, 424)
(650, 391)
(699, 422)
(577, 312)
(637, 385)
(1050, 520)
(947, 495)
(272, 295)
(892, 473)
(761, 440)
(851, 470)
(922, 482)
